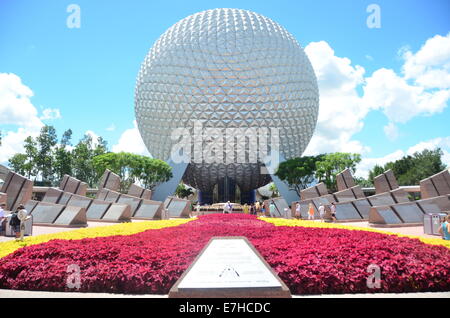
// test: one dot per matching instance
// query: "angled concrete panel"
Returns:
(177, 208)
(80, 201)
(347, 211)
(358, 192)
(65, 197)
(383, 215)
(400, 196)
(117, 213)
(46, 213)
(408, 212)
(381, 184)
(150, 209)
(392, 181)
(52, 195)
(427, 189)
(381, 199)
(72, 216)
(363, 206)
(97, 209)
(133, 202)
(345, 195)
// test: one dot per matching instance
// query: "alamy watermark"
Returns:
(374, 19)
(74, 19)
(209, 145)
(73, 280)
(374, 279)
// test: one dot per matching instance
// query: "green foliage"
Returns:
(410, 169)
(83, 154)
(63, 156)
(183, 192)
(298, 173)
(273, 188)
(333, 163)
(44, 159)
(132, 168)
(377, 170)
(18, 162)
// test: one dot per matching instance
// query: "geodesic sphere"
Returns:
(228, 68)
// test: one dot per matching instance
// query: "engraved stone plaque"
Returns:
(229, 267)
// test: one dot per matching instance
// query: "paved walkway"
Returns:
(6, 293)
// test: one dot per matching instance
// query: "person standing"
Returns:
(245, 208)
(257, 208)
(444, 229)
(252, 209)
(333, 211)
(15, 222)
(2, 218)
(297, 210)
(311, 212)
(272, 209)
(322, 211)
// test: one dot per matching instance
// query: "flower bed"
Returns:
(308, 260)
(322, 225)
(101, 231)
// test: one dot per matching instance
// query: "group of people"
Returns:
(256, 208)
(14, 221)
(311, 211)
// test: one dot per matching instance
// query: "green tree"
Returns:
(333, 163)
(183, 192)
(298, 173)
(133, 168)
(273, 188)
(63, 156)
(410, 169)
(18, 162)
(377, 170)
(83, 154)
(46, 141)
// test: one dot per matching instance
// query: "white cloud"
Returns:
(131, 141)
(400, 101)
(15, 105)
(430, 66)
(422, 89)
(341, 109)
(111, 127)
(391, 131)
(367, 164)
(50, 114)
(16, 109)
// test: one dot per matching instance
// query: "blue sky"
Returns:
(83, 78)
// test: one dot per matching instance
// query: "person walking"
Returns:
(272, 209)
(298, 210)
(333, 211)
(252, 209)
(444, 229)
(311, 212)
(245, 208)
(257, 208)
(322, 211)
(2, 218)
(15, 222)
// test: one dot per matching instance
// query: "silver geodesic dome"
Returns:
(229, 68)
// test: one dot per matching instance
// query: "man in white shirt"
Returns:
(322, 211)
(297, 210)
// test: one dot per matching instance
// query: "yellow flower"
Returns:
(305, 223)
(9, 247)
